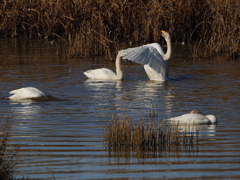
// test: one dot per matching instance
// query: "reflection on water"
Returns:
(26, 110)
(97, 85)
(64, 139)
(198, 130)
(150, 90)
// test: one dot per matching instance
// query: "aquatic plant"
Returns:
(7, 163)
(99, 27)
(123, 134)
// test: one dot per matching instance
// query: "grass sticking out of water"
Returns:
(7, 162)
(123, 134)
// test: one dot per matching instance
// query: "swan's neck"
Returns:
(169, 50)
(118, 68)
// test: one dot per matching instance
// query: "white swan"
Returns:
(153, 58)
(194, 117)
(106, 74)
(26, 93)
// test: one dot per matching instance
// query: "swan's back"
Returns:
(192, 119)
(26, 93)
(102, 73)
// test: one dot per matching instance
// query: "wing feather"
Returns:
(149, 54)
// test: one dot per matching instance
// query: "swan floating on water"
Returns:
(106, 74)
(26, 93)
(194, 117)
(153, 58)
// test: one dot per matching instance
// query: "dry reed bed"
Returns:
(122, 134)
(97, 27)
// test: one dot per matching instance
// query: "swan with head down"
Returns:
(26, 93)
(194, 117)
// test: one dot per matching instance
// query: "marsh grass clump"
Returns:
(121, 133)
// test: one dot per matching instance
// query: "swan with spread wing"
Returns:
(153, 58)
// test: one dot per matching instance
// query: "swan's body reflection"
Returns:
(25, 109)
(128, 96)
(103, 95)
(25, 115)
(99, 84)
(154, 93)
(200, 130)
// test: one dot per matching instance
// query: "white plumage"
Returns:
(26, 93)
(194, 117)
(106, 74)
(153, 58)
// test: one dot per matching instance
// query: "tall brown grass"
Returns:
(98, 27)
(7, 162)
(124, 135)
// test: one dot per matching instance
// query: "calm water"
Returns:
(64, 139)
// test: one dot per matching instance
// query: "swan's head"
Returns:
(165, 34)
(212, 118)
(196, 112)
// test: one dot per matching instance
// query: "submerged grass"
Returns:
(123, 135)
(98, 27)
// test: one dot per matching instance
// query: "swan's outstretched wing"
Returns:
(150, 54)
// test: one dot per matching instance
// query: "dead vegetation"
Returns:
(7, 163)
(99, 27)
(123, 135)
